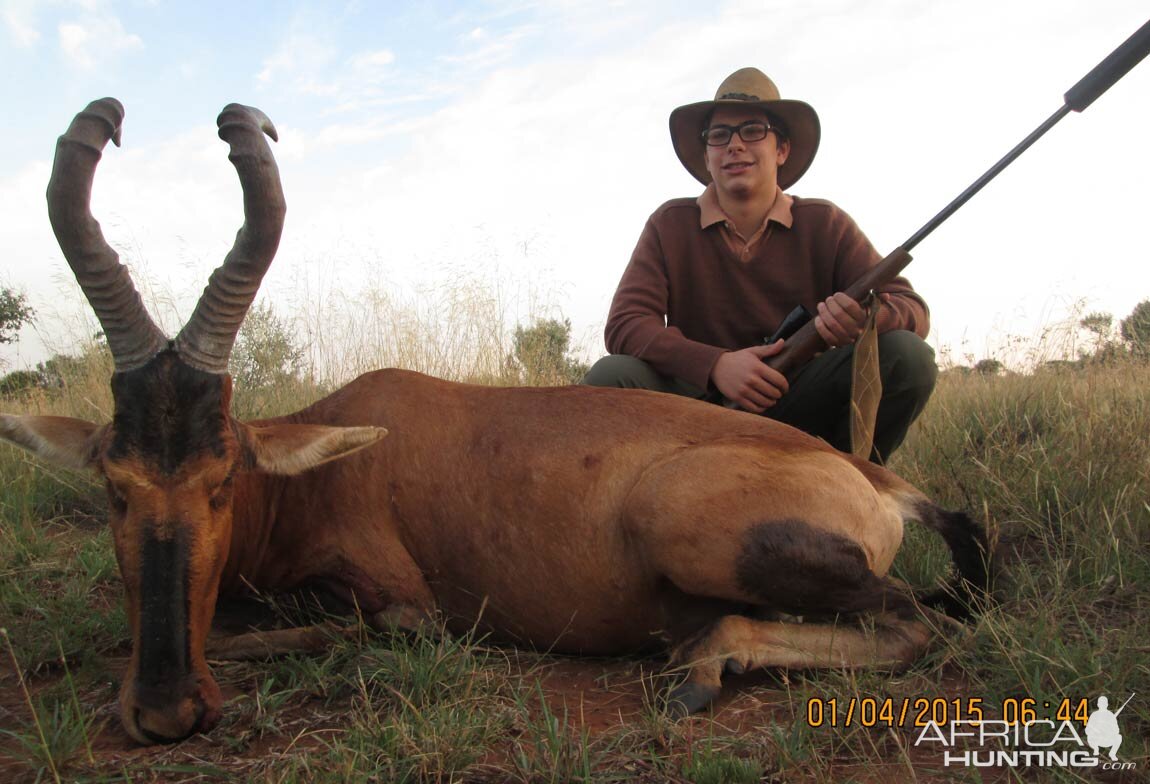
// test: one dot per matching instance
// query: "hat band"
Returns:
(738, 97)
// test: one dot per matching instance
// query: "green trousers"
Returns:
(818, 401)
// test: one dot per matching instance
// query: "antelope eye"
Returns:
(221, 494)
(117, 499)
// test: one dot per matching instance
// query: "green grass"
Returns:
(715, 763)
(1057, 464)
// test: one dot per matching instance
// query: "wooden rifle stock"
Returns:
(800, 348)
(805, 343)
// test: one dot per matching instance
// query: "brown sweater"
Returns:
(686, 298)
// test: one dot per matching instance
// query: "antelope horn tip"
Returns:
(247, 114)
(118, 111)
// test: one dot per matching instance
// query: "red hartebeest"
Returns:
(575, 519)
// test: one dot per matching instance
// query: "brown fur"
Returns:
(570, 519)
(468, 504)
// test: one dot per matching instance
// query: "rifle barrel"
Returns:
(982, 181)
(1125, 703)
(1116, 65)
(1100, 79)
(806, 343)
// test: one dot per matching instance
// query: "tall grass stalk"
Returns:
(79, 710)
(45, 750)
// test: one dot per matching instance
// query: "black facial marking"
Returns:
(166, 412)
(164, 642)
(794, 567)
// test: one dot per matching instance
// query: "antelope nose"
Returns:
(169, 723)
(169, 709)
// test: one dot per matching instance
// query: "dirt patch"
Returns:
(601, 699)
(609, 703)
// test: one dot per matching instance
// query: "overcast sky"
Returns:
(525, 144)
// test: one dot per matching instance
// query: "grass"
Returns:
(1057, 464)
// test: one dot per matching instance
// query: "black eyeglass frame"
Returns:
(733, 129)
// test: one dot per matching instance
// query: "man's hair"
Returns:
(777, 125)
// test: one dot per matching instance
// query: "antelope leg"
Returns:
(274, 642)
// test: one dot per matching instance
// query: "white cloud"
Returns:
(490, 50)
(282, 60)
(18, 19)
(523, 168)
(526, 152)
(376, 59)
(190, 69)
(89, 42)
(339, 134)
(367, 70)
(366, 101)
(298, 59)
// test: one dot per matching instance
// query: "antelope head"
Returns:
(169, 455)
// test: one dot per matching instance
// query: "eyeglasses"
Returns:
(750, 131)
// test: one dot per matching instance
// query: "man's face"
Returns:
(745, 169)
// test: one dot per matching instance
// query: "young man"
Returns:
(711, 277)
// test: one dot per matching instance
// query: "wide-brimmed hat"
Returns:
(748, 87)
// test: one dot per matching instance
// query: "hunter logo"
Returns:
(1037, 742)
(1102, 728)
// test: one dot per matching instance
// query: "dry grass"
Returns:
(1057, 463)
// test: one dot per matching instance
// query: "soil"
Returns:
(600, 697)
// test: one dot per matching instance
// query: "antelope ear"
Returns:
(62, 440)
(293, 449)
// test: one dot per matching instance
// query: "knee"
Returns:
(618, 370)
(908, 365)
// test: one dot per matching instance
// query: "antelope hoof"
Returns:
(734, 667)
(406, 619)
(689, 697)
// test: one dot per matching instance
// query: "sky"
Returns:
(522, 144)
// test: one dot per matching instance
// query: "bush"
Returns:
(541, 354)
(265, 353)
(14, 313)
(1135, 330)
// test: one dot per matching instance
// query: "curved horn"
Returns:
(132, 335)
(206, 340)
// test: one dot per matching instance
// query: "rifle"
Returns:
(798, 328)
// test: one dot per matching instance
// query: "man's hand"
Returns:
(840, 319)
(743, 378)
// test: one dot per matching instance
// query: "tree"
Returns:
(541, 354)
(1107, 350)
(988, 367)
(62, 370)
(15, 312)
(265, 353)
(1099, 324)
(1135, 330)
(20, 382)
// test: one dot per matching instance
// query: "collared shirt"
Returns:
(711, 213)
(685, 298)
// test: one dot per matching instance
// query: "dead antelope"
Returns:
(574, 519)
